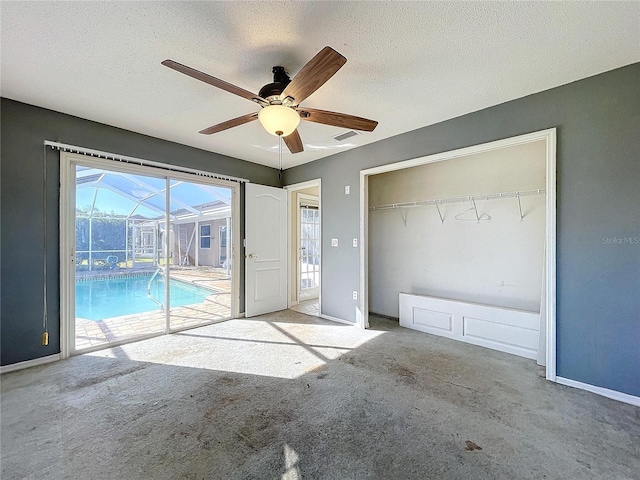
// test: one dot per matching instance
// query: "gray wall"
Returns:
(24, 129)
(598, 205)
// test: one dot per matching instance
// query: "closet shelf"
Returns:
(470, 198)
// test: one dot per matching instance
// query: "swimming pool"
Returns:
(97, 299)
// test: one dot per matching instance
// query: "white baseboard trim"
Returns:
(605, 392)
(337, 320)
(30, 363)
(240, 315)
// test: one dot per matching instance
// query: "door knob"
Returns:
(251, 255)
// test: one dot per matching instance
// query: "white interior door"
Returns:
(266, 249)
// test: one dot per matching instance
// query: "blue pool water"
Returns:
(112, 297)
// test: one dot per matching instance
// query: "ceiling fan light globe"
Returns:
(279, 120)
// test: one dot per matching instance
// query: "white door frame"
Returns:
(292, 245)
(549, 136)
(67, 236)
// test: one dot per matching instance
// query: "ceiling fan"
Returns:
(280, 101)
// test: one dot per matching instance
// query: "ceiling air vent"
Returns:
(343, 136)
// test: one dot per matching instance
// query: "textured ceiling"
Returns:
(409, 64)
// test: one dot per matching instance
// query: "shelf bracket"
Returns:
(520, 206)
(475, 208)
(440, 214)
(404, 215)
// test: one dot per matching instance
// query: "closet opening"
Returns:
(462, 245)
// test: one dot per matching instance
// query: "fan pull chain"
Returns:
(280, 155)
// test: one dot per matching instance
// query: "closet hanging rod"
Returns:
(470, 198)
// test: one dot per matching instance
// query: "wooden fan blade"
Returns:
(337, 119)
(314, 74)
(216, 82)
(230, 124)
(294, 142)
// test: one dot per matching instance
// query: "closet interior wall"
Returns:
(487, 253)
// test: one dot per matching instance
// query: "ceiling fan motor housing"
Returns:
(280, 81)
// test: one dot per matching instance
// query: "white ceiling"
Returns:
(409, 64)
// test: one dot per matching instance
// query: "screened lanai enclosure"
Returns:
(120, 222)
(152, 253)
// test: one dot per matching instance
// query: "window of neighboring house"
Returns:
(222, 238)
(205, 236)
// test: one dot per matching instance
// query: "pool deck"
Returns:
(216, 307)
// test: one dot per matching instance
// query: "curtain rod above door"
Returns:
(139, 161)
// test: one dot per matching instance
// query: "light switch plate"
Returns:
(334, 242)
(347, 189)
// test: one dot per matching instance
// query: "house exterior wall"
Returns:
(188, 230)
(210, 256)
(598, 212)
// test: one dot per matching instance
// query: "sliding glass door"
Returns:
(152, 253)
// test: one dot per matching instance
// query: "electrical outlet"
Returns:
(355, 242)
(334, 242)
(347, 189)
(355, 294)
